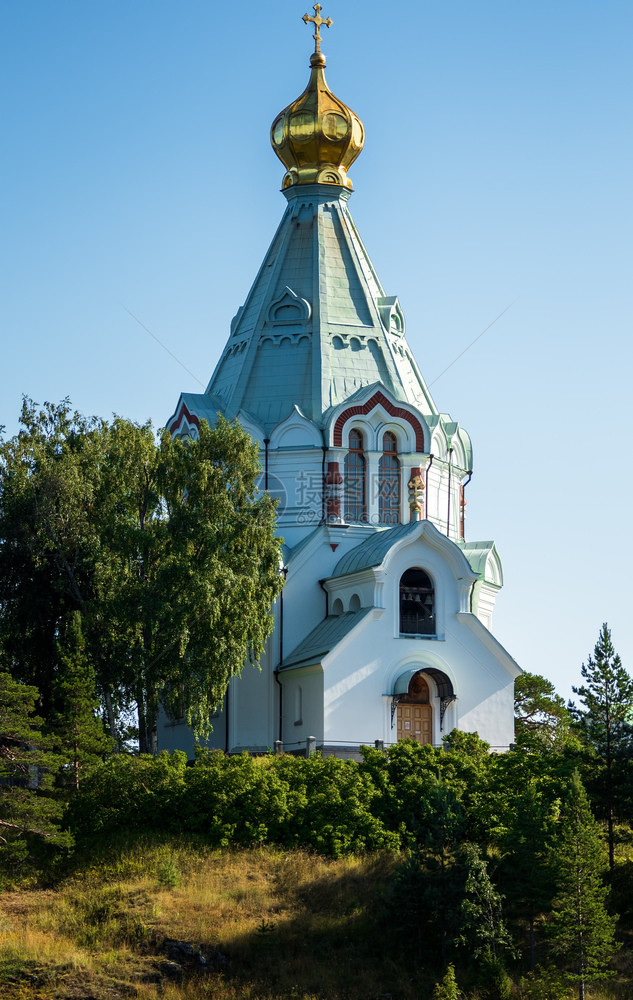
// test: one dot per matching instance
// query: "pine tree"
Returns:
(540, 715)
(607, 697)
(80, 730)
(581, 930)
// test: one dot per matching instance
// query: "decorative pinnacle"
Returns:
(317, 22)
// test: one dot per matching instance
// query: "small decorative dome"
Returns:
(317, 137)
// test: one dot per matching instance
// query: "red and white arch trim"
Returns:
(378, 399)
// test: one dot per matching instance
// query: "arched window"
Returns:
(389, 481)
(417, 603)
(355, 492)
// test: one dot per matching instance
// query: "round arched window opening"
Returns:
(417, 603)
(355, 492)
(389, 481)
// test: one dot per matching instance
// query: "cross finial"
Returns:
(317, 22)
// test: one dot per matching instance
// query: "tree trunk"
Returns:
(609, 763)
(142, 724)
(581, 952)
(147, 708)
(107, 697)
(610, 834)
(151, 722)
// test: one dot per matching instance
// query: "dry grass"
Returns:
(293, 926)
(102, 934)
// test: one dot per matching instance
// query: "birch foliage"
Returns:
(166, 549)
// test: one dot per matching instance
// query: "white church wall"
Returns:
(296, 475)
(348, 700)
(252, 704)
(176, 735)
(484, 598)
(304, 599)
(302, 689)
(437, 496)
(357, 682)
(362, 670)
(491, 717)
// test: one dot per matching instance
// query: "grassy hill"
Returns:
(182, 923)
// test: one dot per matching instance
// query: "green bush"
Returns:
(331, 803)
(130, 793)
(545, 984)
(323, 803)
(447, 989)
(233, 801)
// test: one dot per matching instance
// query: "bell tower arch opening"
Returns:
(417, 603)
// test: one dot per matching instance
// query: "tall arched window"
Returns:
(417, 603)
(389, 481)
(355, 476)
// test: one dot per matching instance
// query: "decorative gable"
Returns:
(289, 308)
(379, 399)
(391, 315)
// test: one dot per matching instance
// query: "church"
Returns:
(383, 629)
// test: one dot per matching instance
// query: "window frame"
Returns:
(355, 468)
(389, 482)
(425, 591)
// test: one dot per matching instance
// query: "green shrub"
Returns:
(331, 807)
(233, 801)
(323, 803)
(133, 793)
(545, 984)
(447, 989)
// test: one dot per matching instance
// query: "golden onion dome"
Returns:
(317, 137)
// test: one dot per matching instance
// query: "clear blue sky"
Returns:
(136, 171)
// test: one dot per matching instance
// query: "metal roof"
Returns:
(324, 637)
(373, 550)
(316, 325)
(477, 554)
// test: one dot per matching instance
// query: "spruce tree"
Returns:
(541, 718)
(447, 989)
(481, 927)
(29, 814)
(79, 728)
(525, 869)
(581, 929)
(604, 722)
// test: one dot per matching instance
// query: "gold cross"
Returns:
(317, 22)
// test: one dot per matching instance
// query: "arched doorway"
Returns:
(415, 714)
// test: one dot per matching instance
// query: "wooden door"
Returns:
(414, 723)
